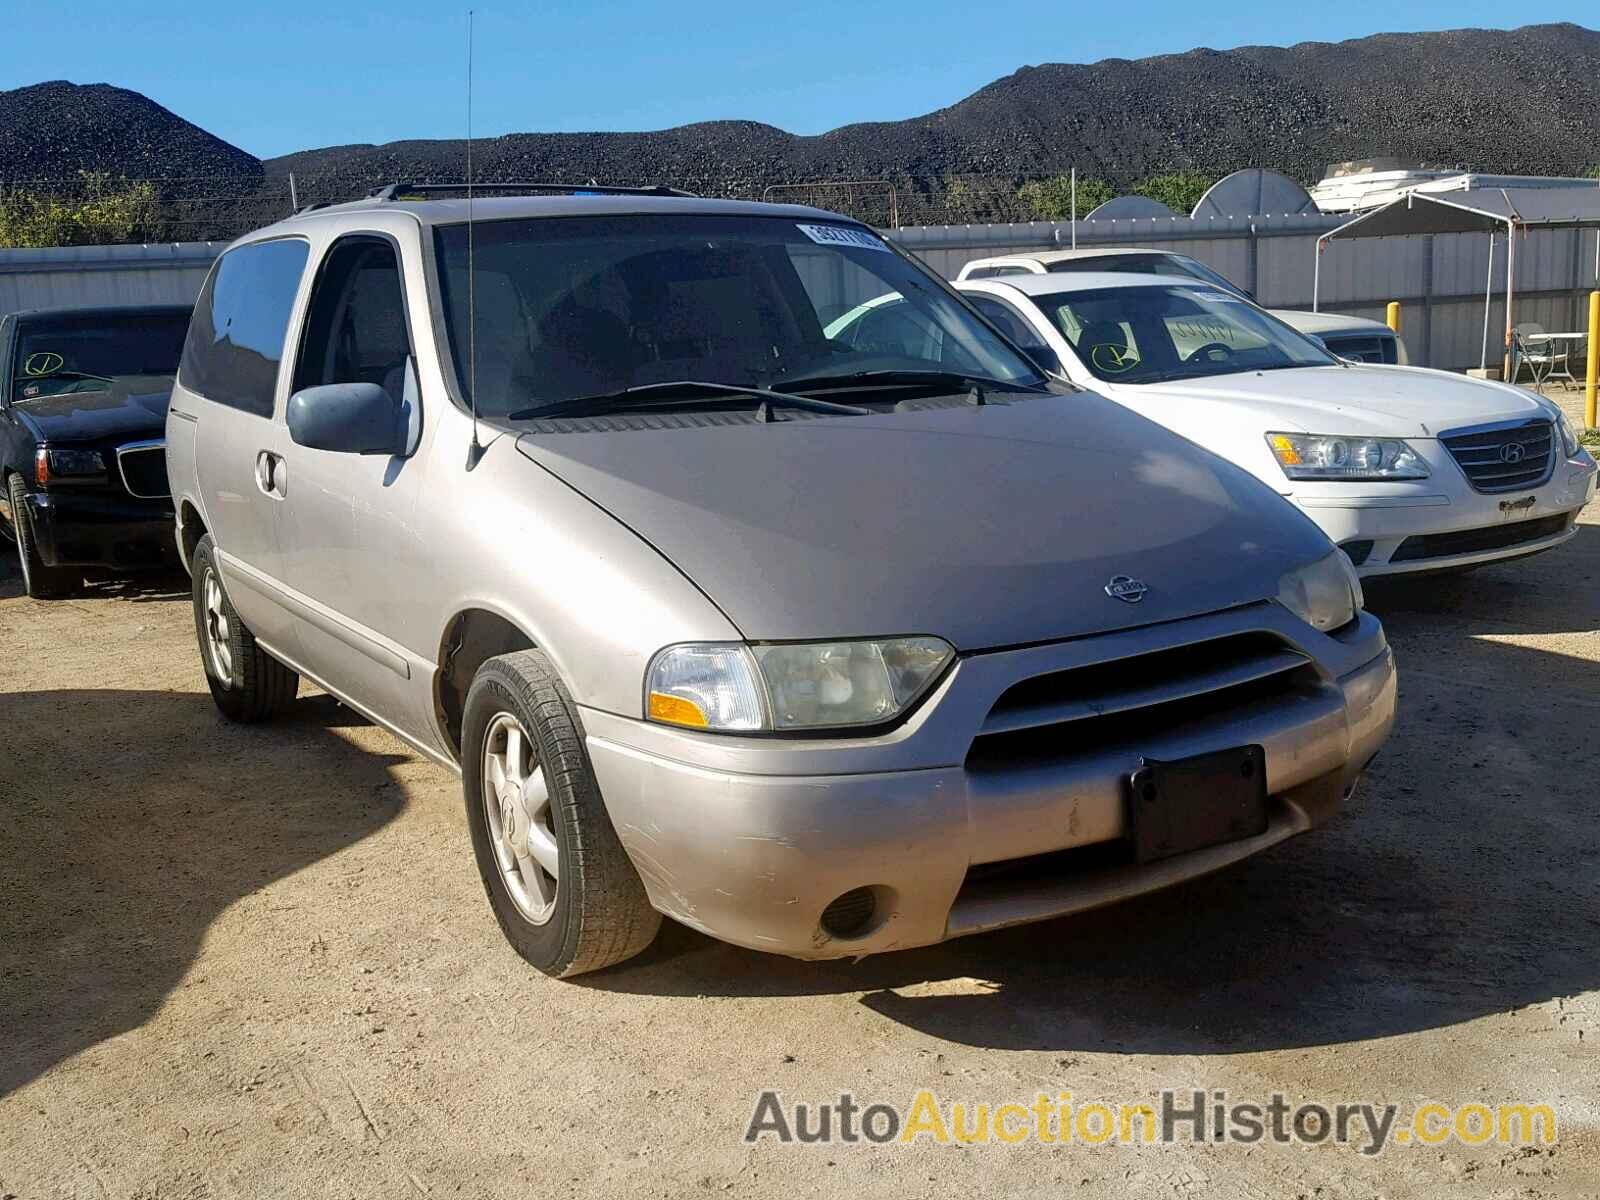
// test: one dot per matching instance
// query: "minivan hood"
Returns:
(989, 526)
(134, 406)
(1375, 401)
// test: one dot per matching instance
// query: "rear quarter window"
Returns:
(235, 341)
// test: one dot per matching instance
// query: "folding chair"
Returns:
(1536, 355)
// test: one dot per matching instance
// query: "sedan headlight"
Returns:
(60, 464)
(733, 688)
(1326, 594)
(1326, 456)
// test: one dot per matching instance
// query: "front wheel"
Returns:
(247, 683)
(561, 886)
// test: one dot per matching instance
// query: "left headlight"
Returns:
(50, 463)
(1327, 456)
(1326, 594)
(731, 687)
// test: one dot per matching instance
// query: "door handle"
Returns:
(272, 474)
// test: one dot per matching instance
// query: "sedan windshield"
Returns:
(86, 354)
(1156, 333)
(1146, 263)
(574, 307)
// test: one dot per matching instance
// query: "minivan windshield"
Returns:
(574, 307)
(1155, 333)
(87, 354)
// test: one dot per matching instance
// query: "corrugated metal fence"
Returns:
(1438, 280)
(74, 276)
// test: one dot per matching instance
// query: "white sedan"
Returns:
(1350, 337)
(1406, 469)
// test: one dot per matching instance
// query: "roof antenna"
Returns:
(475, 450)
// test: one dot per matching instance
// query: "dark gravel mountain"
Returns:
(1525, 100)
(54, 130)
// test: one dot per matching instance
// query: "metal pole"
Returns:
(1074, 208)
(1316, 277)
(1511, 280)
(294, 197)
(1593, 374)
(1488, 303)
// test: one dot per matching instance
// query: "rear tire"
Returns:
(40, 581)
(532, 803)
(247, 683)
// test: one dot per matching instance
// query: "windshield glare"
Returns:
(54, 356)
(581, 306)
(1146, 334)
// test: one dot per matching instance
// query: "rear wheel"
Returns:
(561, 886)
(40, 581)
(246, 682)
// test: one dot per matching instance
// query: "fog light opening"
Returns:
(855, 913)
(1358, 551)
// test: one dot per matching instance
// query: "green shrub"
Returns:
(1051, 199)
(1178, 190)
(95, 211)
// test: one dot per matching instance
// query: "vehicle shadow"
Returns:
(1458, 884)
(118, 854)
(145, 586)
(138, 588)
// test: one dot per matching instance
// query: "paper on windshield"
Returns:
(839, 235)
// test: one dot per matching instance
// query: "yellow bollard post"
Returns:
(1393, 318)
(1594, 360)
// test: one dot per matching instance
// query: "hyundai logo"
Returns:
(1512, 452)
(1126, 588)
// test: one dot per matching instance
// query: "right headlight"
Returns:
(732, 687)
(1354, 459)
(1326, 594)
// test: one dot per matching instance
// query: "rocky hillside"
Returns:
(55, 130)
(1527, 100)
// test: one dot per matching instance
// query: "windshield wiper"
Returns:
(927, 378)
(670, 394)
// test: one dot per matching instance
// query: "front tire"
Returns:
(247, 684)
(40, 581)
(561, 886)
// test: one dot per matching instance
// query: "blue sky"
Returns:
(273, 78)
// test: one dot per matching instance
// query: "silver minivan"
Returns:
(825, 649)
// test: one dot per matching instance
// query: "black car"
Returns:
(83, 405)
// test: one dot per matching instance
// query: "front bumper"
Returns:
(1441, 523)
(750, 840)
(99, 530)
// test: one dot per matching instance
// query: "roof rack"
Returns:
(398, 191)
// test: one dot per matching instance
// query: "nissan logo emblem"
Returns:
(1126, 588)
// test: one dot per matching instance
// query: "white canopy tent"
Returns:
(1489, 210)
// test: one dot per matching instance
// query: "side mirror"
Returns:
(349, 418)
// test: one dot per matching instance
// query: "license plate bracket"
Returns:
(1184, 804)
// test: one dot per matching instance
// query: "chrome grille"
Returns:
(144, 469)
(1506, 456)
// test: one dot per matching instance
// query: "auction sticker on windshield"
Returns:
(838, 235)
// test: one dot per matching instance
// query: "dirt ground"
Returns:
(257, 962)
